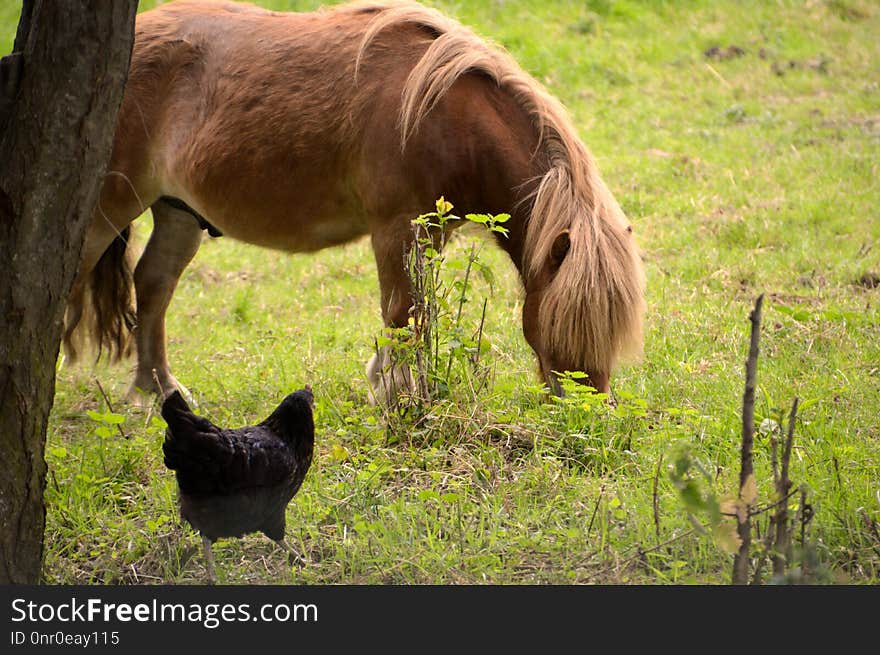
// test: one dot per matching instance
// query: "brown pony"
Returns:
(300, 131)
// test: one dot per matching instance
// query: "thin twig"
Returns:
(872, 528)
(656, 499)
(461, 300)
(782, 542)
(746, 471)
(110, 407)
(768, 544)
(806, 515)
(789, 440)
(424, 331)
(476, 359)
(158, 384)
(718, 75)
(774, 457)
(640, 552)
(595, 509)
(765, 508)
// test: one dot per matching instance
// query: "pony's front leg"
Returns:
(388, 378)
(174, 242)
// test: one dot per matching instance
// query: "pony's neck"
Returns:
(506, 161)
(515, 182)
(514, 242)
(517, 164)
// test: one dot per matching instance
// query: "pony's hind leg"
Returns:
(174, 242)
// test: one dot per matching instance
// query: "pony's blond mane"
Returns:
(591, 312)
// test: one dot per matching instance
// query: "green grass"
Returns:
(755, 174)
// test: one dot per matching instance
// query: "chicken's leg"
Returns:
(209, 560)
(293, 557)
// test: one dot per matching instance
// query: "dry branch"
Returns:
(782, 542)
(747, 471)
(110, 407)
(656, 497)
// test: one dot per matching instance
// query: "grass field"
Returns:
(748, 169)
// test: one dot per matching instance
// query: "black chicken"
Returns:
(234, 482)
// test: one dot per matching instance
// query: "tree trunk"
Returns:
(59, 94)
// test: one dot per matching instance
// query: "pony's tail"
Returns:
(101, 311)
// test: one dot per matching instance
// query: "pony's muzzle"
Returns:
(599, 381)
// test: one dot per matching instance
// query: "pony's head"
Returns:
(580, 265)
(583, 278)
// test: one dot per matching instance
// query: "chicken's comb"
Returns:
(309, 388)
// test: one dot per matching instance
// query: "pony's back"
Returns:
(221, 99)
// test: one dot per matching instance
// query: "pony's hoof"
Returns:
(140, 398)
(388, 381)
(187, 395)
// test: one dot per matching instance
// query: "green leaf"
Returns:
(691, 496)
(109, 417)
(338, 453)
(58, 452)
(114, 419)
(749, 490)
(443, 206)
(487, 274)
(799, 312)
(454, 265)
(726, 536)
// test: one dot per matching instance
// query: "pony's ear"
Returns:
(559, 249)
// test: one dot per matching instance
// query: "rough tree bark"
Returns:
(60, 91)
